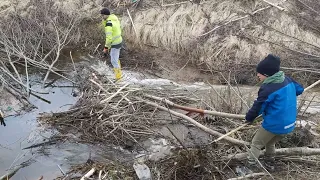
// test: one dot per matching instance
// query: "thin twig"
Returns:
(74, 67)
(248, 176)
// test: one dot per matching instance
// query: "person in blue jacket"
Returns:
(277, 102)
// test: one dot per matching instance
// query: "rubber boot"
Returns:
(118, 73)
(269, 163)
(119, 63)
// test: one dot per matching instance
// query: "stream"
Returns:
(24, 130)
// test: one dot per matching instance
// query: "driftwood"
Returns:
(189, 119)
(298, 151)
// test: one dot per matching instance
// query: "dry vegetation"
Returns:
(33, 42)
(217, 36)
(229, 36)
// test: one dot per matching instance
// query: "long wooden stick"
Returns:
(312, 85)
(134, 27)
(298, 151)
(274, 5)
(231, 132)
(201, 111)
(202, 127)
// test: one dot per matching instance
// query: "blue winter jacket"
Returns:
(277, 102)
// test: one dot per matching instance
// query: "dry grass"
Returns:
(233, 44)
(220, 35)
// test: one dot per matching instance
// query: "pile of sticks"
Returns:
(124, 114)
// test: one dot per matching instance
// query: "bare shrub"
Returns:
(34, 39)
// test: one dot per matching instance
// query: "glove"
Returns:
(1, 119)
(255, 121)
(105, 51)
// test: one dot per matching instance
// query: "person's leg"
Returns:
(260, 139)
(114, 56)
(115, 53)
(270, 148)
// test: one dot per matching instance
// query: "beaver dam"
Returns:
(189, 78)
(161, 125)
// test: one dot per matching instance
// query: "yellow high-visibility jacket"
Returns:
(113, 32)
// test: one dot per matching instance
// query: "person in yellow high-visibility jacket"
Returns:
(113, 41)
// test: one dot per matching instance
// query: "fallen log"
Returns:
(201, 111)
(197, 124)
(298, 151)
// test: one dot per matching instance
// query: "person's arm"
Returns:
(299, 87)
(108, 30)
(258, 106)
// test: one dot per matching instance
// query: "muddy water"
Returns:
(23, 130)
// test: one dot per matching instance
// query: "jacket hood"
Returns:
(112, 17)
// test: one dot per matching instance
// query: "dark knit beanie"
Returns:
(105, 11)
(269, 66)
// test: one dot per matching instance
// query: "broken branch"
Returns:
(190, 109)
(298, 151)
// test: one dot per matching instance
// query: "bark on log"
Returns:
(202, 127)
(298, 151)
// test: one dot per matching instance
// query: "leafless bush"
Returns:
(34, 39)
